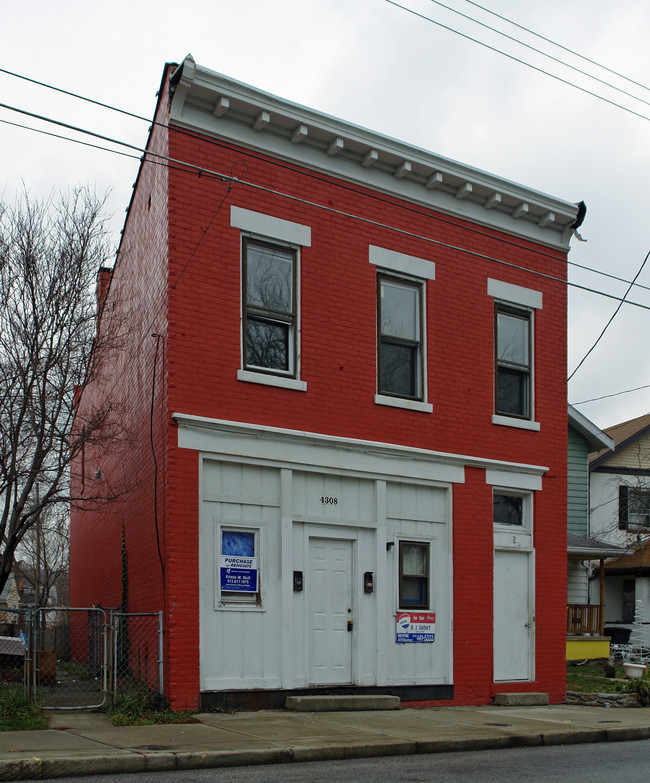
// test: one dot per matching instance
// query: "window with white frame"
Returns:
(513, 362)
(414, 575)
(514, 313)
(270, 283)
(239, 566)
(401, 328)
(399, 319)
(269, 307)
(507, 509)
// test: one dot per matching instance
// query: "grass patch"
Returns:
(138, 705)
(590, 678)
(18, 712)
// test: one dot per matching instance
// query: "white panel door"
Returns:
(513, 623)
(330, 608)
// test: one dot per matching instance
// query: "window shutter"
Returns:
(622, 507)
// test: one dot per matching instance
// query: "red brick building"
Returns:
(342, 406)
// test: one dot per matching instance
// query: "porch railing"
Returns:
(584, 619)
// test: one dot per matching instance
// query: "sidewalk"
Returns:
(86, 743)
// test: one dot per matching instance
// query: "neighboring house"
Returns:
(586, 555)
(620, 510)
(9, 599)
(342, 412)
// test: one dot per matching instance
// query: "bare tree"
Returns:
(50, 253)
(42, 557)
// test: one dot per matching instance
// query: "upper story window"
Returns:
(633, 508)
(269, 307)
(513, 361)
(401, 328)
(514, 355)
(271, 254)
(399, 317)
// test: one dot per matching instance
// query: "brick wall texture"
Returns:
(177, 287)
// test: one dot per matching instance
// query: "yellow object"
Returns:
(587, 647)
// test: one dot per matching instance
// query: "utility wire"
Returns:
(313, 175)
(615, 313)
(518, 60)
(183, 165)
(614, 394)
(539, 51)
(559, 45)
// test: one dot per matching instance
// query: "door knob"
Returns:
(350, 625)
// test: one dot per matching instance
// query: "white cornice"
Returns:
(216, 105)
(280, 445)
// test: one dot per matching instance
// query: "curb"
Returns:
(24, 769)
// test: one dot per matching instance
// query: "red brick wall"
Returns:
(123, 498)
(338, 345)
(200, 354)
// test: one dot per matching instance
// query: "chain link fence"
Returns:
(75, 658)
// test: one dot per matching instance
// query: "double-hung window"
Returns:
(401, 328)
(269, 294)
(513, 360)
(514, 356)
(399, 308)
(270, 283)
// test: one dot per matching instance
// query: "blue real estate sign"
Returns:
(238, 573)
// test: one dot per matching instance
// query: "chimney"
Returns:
(103, 282)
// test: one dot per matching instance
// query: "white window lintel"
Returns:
(400, 262)
(269, 226)
(527, 297)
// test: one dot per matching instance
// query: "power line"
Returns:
(598, 339)
(539, 51)
(614, 394)
(518, 60)
(313, 175)
(183, 165)
(559, 45)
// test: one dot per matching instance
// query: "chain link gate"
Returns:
(135, 656)
(67, 657)
(84, 658)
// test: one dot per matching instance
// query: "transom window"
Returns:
(513, 362)
(507, 509)
(269, 311)
(413, 575)
(399, 319)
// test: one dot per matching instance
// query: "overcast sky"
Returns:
(372, 64)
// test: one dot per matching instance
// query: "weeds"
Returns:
(139, 705)
(18, 712)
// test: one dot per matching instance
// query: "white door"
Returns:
(513, 622)
(330, 611)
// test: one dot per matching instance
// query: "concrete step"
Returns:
(341, 703)
(521, 700)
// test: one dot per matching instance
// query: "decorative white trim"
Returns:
(250, 376)
(514, 293)
(268, 226)
(198, 89)
(510, 480)
(400, 402)
(283, 446)
(400, 262)
(522, 424)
